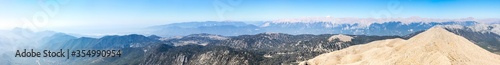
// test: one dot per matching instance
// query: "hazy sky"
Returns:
(103, 16)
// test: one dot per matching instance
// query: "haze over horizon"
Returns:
(106, 17)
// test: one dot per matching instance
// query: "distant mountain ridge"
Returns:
(234, 28)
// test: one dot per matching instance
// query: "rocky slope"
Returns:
(435, 46)
(198, 55)
(485, 36)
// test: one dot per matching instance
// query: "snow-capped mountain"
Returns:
(368, 21)
(385, 28)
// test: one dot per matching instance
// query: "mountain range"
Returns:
(264, 48)
(238, 43)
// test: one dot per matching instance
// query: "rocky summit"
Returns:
(435, 46)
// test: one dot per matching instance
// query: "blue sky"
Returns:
(99, 16)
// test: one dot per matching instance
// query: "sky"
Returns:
(111, 16)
